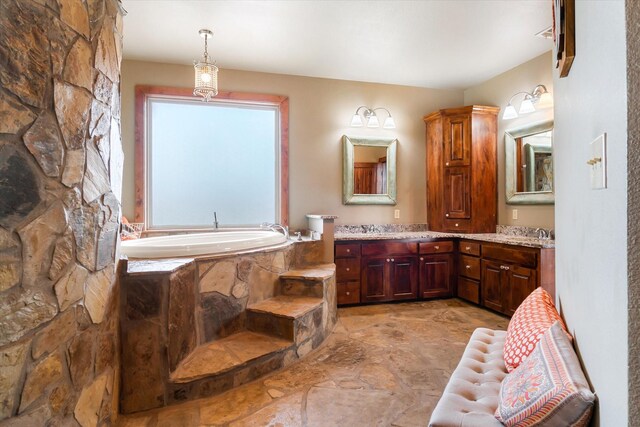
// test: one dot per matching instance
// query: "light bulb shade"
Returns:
(389, 123)
(206, 80)
(373, 121)
(545, 101)
(509, 113)
(356, 121)
(526, 106)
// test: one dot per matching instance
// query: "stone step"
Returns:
(314, 273)
(288, 317)
(308, 281)
(226, 354)
(289, 306)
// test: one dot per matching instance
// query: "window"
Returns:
(193, 158)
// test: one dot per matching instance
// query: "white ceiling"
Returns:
(437, 44)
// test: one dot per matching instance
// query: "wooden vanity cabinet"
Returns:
(437, 269)
(469, 271)
(347, 259)
(511, 273)
(389, 271)
(462, 169)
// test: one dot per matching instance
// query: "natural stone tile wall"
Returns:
(60, 179)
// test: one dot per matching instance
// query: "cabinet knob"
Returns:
(456, 224)
(504, 267)
(446, 164)
(388, 260)
(348, 269)
(348, 293)
(467, 267)
(393, 260)
(467, 248)
(447, 215)
(348, 250)
(437, 247)
(421, 259)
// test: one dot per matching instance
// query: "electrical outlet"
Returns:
(514, 213)
(396, 214)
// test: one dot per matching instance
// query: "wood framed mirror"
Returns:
(529, 164)
(369, 171)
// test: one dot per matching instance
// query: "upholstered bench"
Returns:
(528, 375)
(471, 396)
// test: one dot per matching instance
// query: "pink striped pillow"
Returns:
(548, 386)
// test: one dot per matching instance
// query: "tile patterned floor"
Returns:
(384, 365)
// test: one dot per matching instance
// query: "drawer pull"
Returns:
(467, 248)
(447, 215)
(467, 267)
(348, 269)
(437, 247)
(504, 267)
(348, 250)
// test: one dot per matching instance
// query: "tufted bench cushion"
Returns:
(471, 396)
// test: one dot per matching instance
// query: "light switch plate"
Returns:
(598, 163)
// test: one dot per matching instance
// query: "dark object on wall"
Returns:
(564, 34)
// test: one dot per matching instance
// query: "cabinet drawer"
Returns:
(351, 250)
(348, 292)
(389, 248)
(436, 247)
(469, 267)
(457, 225)
(523, 257)
(469, 248)
(469, 289)
(347, 269)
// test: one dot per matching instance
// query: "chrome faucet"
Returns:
(543, 234)
(277, 227)
(215, 220)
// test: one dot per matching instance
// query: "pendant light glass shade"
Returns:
(526, 106)
(356, 121)
(509, 113)
(389, 123)
(206, 73)
(373, 121)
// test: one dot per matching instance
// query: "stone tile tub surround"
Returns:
(513, 235)
(60, 183)
(178, 313)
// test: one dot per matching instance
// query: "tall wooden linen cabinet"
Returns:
(462, 169)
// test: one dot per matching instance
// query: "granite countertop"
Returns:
(507, 239)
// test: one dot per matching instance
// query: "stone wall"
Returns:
(60, 185)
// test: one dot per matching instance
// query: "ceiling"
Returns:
(437, 44)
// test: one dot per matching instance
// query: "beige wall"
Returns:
(320, 112)
(592, 230)
(497, 91)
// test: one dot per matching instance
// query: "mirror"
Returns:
(369, 171)
(529, 164)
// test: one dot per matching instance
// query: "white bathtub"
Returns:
(182, 245)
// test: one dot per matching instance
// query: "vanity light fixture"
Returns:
(539, 96)
(206, 84)
(371, 118)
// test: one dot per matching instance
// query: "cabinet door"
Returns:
(457, 140)
(521, 282)
(492, 285)
(457, 194)
(436, 276)
(403, 278)
(374, 280)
